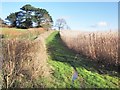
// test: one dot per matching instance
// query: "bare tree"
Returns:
(60, 24)
(68, 28)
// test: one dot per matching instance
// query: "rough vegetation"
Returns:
(99, 46)
(34, 63)
(24, 61)
(20, 34)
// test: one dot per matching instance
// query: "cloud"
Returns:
(102, 24)
(99, 24)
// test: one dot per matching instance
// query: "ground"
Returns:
(63, 63)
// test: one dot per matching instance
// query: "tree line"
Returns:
(29, 17)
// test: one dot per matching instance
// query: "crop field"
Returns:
(99, 46)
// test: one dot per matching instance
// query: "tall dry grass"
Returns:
(24, 60)
(13, 33)
(99, 46)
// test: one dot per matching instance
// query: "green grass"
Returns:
(62, 61)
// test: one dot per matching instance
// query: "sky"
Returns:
(60, 0)
(86, 16)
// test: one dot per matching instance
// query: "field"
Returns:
(49, 59)
(23, 34)
(99, 46)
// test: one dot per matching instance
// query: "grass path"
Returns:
(62, 61)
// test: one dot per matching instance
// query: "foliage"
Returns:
(12, 19)
(28, 16)
(2, 22)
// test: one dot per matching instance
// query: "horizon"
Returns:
(85, 16)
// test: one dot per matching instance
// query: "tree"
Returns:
(42, 17)
(20, 19)
(60, 23)
(12, 19)
(29, 15)
(2, 23)
(27, 9)
(38, 16)
(47, 21)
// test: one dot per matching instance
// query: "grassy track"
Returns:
(62, 61)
